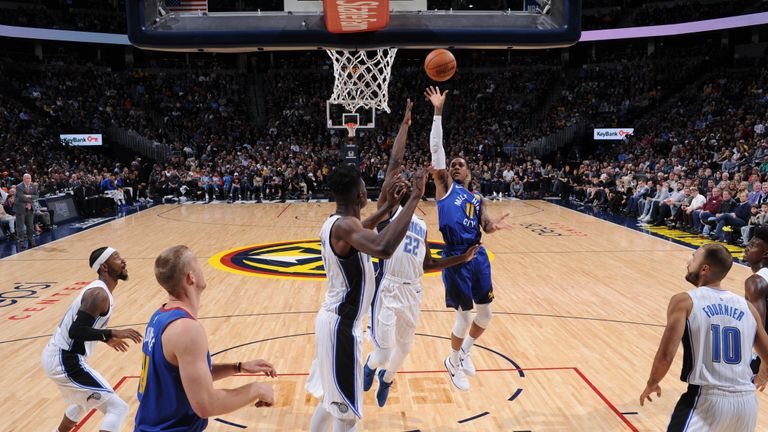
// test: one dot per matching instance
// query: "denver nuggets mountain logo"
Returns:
(298, 259)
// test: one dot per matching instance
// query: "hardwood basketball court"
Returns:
(580, 307)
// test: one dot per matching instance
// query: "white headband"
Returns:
(102, 258)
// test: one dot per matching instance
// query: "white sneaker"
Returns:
(466, 364)
(457, 375)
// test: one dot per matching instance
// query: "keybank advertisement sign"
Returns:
(81, 140)
(613, 134)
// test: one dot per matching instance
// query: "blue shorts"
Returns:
(469, 283)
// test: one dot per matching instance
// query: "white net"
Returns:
(362, 78)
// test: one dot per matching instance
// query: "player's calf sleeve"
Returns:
(75, 413)
(463, 321)
(484, 315)
(115, 411)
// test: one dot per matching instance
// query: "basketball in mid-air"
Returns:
(440, 65)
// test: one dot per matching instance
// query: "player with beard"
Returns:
(717, 329)
(84, 325)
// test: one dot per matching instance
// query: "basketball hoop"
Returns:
(361, 79)
(351, 127)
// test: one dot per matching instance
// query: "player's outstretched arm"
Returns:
(761, 347)
(755, 291)
(398, 154)
(439, 163)
(224, 370)
(185, 345)
(439, 264)
(394, 191)
(94, 304)
(489, 224)
(679, 308)
(382, 245)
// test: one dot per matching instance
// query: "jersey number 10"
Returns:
(726, 344)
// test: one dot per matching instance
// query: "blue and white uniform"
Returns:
(64, 359)
(163, 403)
(459, 216)
(398, 296)
(337, 371)
(717, 347)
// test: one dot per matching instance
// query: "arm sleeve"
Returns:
(436, 143)
(82, 328)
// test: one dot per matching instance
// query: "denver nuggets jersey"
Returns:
(407, 263)
(350, 279)
(163, 403)
(459, 217)
(60, 338)
(717, 342)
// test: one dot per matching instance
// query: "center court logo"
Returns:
(297, 259)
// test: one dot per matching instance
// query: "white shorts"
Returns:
(79, 384)
(395, 313)
(337, 370)
(714, 410)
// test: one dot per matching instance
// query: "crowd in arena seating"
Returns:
(683, 11)
(227, 148)
(700, 164)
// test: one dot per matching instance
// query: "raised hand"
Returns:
(259, 366)
(419, 182)
(407, 116)
(396, 192)
(438, 99)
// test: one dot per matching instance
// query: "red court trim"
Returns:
(283, 211)
(575, 369)
(605, 399)
(90, 414)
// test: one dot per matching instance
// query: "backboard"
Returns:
(301, 25)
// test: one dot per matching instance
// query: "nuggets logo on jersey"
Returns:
(297, 259)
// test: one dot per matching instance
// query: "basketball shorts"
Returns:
(78, 383)
(469, 283)
(337, 370)
(395, 312)
(714, 410)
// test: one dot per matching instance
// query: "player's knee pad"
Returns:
(463, 321)
(75, 413)
(484, 315)
(115, 411)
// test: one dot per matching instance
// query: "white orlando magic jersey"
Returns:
(350, 280)
(407, 263)
(718, 341)
(60, 338)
